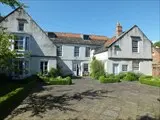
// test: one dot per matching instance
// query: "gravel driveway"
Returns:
(88, 99)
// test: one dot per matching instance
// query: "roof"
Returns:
(110, 42)
(76, 38)
(68, 40)
(3, 18)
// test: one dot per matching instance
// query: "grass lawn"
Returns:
(5, 88)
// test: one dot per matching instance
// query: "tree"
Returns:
(12, 3)
(6, 54)
(97, 68)
(157, 44)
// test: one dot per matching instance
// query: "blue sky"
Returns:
(94, 17)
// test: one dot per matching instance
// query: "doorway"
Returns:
(115, 69)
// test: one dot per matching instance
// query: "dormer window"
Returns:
(86, 37)
(20, 26)
(51, 35)
(21, 23)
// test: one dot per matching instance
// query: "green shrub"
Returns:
(149, 80)
(97, 69)
(58, 80)
(121, 75)
(109, 75)
(109, 78)
(130, 76)
(69, 80)
(53, 72)
(102, 79)
(138, 75)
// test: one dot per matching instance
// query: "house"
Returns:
(156, 61)
(30, 39)
(128, 51)
(72, 52)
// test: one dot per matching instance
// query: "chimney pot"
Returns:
(118, 29)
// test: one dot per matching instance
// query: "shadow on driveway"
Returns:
(40, 104)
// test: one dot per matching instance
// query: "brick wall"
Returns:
(156, 55)
(156, 62)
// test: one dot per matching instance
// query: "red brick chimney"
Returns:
(118, 29)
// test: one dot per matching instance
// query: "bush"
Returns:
(109, 78)
(97, 69)
(130, 76)
(149, 80)
(53, 72)
(121, 75)
(102, 79)
(58, 81)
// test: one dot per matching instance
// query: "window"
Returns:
(74, 66)
(20, 26)
(59, 50)
(86, 37)
(76, 51)
(51, 35)
(134, 45)
(21, 43)
(27, 43)
(135, 65)
(87, 54)
(26, 67)
(85, 66)
(43, 67)
(124, 68)
(21, 67)
(116, 48)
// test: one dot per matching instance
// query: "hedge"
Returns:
(11, 100)
(57, 81)
(110, 78)
(149, 80)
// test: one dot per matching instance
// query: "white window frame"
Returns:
(137, 48)
(19, 22)
(61, 50)
(87, 67)
(126, 67)
(86, 52)
(133, 67)
(25, 43)
(76, 51)
(24, 69)
(116, 50)
(43, 69)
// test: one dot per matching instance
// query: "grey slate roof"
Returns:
(77, 41)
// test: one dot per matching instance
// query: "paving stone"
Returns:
(88, 99)
(110, 113)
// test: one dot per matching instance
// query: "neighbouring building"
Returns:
(156, 61)
(128, 51)
(72, 53)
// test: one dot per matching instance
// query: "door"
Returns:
(115, 69)
(76, 69)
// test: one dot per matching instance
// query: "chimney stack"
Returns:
(118, 29)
